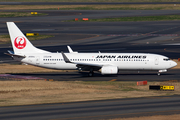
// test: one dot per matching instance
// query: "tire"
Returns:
(91, 74)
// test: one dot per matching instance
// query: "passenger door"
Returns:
(156, 61)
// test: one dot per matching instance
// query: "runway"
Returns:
(95, 110)
(146, 37)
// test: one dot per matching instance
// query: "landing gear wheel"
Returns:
(91, 74)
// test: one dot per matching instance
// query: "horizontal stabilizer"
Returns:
(11, 53)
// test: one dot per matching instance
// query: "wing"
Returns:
(84, 66)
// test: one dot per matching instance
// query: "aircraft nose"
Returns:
(173, 64)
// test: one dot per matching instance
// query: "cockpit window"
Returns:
(166, 59)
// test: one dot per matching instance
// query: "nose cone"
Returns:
(173, 64)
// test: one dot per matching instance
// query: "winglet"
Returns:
(65, 58)
(70, 50)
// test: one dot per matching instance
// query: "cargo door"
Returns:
(37, 60)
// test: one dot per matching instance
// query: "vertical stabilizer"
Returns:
(20, 43)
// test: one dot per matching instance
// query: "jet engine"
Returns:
(109, 70)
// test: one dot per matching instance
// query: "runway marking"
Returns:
(171, 51)
(19, 77)
(113, 80)
(170, 39)
(163, 30)
(87, 38)
(141, 113)
(147, 34)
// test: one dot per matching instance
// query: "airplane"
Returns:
(106, 63)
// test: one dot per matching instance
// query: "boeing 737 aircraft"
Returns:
(106, 63)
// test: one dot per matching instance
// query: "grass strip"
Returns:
(39, 37)
(139, 18)
(93, 7)
(6, 38)
(26, 92)
(117, 7)
(19, 14)
(120, 7)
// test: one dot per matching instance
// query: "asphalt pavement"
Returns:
(95, 110)
(146, 37)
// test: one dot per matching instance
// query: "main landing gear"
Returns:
(91, 73)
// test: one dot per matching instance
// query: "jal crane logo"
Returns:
(20, 42)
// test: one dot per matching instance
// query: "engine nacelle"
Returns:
(109, 70)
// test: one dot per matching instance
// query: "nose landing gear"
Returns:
(158, 74)
(160, 71)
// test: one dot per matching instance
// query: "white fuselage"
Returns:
(124, 61)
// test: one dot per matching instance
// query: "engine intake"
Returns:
(109, 70)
